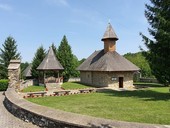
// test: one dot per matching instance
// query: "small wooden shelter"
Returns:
(50, 63)
(107, 68)
(27, 72)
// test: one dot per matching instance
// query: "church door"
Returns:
(120, 82)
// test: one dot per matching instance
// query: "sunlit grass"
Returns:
(33, 89)
(74, 85)
(147, 106)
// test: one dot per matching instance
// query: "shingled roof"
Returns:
(50, 62)
(110, 61)
(27, 71)
(109, 33)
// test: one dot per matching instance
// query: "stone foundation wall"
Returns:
(105, 79)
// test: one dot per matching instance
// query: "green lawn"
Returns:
(34, 89)
(148, 106)
(74, 85)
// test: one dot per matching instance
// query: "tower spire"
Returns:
(109, 39)
(109, 33)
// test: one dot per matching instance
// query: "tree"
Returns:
(139, 60)
(81, 61)
(38, 58)
(8, 52)
(158, 56)
(66, 58)
(3, 72)
(75, 73)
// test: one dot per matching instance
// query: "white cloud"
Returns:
(58, 2)
(86, 17)
(5, 7)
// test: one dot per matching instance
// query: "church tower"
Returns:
(109, 39)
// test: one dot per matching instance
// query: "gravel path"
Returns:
(7, 120)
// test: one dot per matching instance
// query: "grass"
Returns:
(34, 88)
(147, 106)
(74, 85)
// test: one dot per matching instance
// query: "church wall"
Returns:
(86, 77)
(107, 79)
(100, 79)
(114, 79)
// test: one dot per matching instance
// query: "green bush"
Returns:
(3, 84)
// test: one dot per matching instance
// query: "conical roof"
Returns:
(50, 62)
(110, 61)
(109, 33)
(27, 71)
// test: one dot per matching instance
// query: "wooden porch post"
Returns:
(58, 77)
(44, 77)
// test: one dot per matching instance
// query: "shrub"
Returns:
(3, 85)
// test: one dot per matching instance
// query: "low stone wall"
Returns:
(75, 79)
(38, 115)
(26, 83)
(149, 80)
(52, 118)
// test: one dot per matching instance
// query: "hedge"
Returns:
(3, 85)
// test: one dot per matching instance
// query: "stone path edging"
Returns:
(48, 117)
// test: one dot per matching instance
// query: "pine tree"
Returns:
(8, 52)
(158, 16)
(38, 58)
(66, 58)
(3, 72)
(75, 73)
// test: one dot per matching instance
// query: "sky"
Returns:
(33, 23)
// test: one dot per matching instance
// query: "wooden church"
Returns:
(106, 67)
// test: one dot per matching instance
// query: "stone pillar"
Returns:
(14, 74)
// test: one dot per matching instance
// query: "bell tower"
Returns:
(109, 39)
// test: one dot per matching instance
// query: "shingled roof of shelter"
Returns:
(27, 71)
(109, 33)
(50, 62)
(110, 61)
